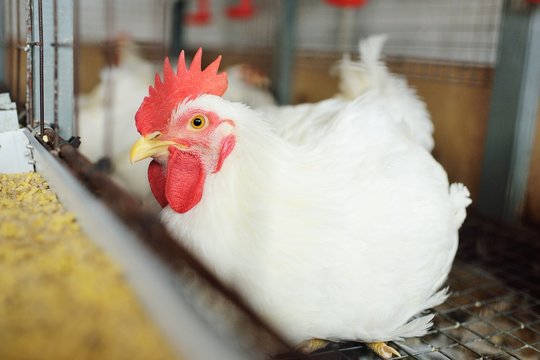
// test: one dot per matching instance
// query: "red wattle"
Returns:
(156, 178)
(185, 180)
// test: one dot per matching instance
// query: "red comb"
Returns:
(164, 97)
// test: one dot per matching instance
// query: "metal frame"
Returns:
(177, 28)
(512, 118)
(2, 43)
(51, 47)
(284, 58)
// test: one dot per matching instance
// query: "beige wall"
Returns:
(460, 114)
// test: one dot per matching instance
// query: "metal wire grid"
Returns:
(148, 22)
(494, 309)
(144, 20)
(223, 32)
(460, 30)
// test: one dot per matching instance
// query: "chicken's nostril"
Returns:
(154, 135)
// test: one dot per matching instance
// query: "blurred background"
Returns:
(82, 68)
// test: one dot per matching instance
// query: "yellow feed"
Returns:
(60, 296)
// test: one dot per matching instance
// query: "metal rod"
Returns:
(41, 77)
(284, 61)
(512, 117)
(76, 79)
(346, 30)
(55, 74)
(18, 53)
(164, 28)
(177, 28)
(6, 25)
(29, 64)
(108, 101)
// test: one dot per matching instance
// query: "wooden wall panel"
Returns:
(460, 114)
(91, 61)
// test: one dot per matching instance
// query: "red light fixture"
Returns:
(243, 10)
(202, 15)
(347, 3)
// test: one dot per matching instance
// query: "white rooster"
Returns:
(307, 123)
(347, 240)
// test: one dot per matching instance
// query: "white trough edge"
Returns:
(15, 156)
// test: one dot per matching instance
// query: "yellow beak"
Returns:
(148, 146)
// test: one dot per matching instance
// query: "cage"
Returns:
(77, 71)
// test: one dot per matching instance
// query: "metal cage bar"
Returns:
(50, 64)
(18, 51)
(29, 48)
(3, 42)
(284, 58)
(512, 119)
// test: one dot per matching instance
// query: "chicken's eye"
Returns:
(198, 122)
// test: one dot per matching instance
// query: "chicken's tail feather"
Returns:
(420, 325)
(358, 76)
(370, 49)
(417, 326)
(460, 197)
(436, 299)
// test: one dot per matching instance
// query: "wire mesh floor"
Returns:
(494, 309)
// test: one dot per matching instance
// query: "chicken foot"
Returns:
(312, 345)
(383, 350)
(380, 348)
